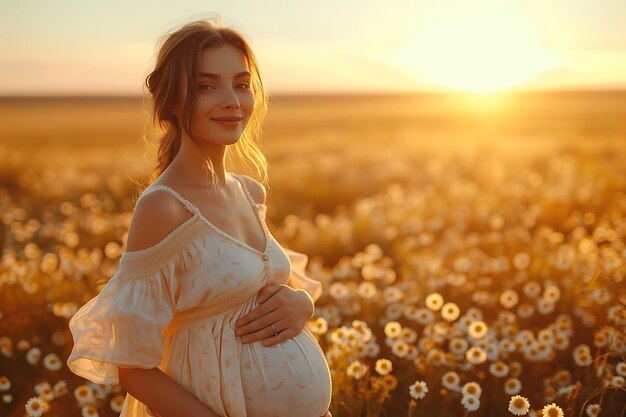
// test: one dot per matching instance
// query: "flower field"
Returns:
(472, 253)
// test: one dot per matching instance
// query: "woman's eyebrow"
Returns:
(217, 76)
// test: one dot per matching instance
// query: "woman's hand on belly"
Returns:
(282, 307)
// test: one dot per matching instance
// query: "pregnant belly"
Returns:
(287, 379)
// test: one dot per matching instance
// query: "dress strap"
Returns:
(190, 206)
(243, 182)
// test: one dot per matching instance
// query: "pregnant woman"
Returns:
(201, 267)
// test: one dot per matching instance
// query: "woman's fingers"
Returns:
(282, 335)
(267, 292)
(261, 328)
(245, 323)
(259, 322)
(288, 312)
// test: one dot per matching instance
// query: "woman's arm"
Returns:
(155, 216)
(159, 392)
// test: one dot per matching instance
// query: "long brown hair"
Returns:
(179, 53)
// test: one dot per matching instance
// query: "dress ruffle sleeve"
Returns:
(123, 325)
(298, 278)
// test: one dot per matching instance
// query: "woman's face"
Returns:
(223, 90)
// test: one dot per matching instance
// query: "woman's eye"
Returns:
(207, 86)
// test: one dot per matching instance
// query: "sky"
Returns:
(93, 47)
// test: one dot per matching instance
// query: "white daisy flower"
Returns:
(499, 369)
(412, 353)
(592, 410)
(601, 337)
(434, 301)
(60, 388)
(45, 391)
(515, 368)
(89, 411)
(552, 410)
(33, 355)
(356, 369)
(410, 312)
(508, 299)
(84, 395)
(475, 312)
(582, 355)
(545, 306)
(546, 336)
(532, 289)
(472, 388)
(450, 311)
(451, 381)
(367, 290)
(392, 294)
(408, 335)
(506, 345)
(525, 310)
(393, 329)
(561, 342)
(5, 383)
(52, 362)
(317, 325)
(360, 326)
(424, 316)
(338, 291)
(470, 402)
(458, 346)
(383, 366)
(400, 348)
(117, 403)
(565, 390)
(512, 386)
(478, 329)
(492, 350)
(372, 349)
(507, 317)
(519, 405)
(435, 356)
(521, 260)
(552, 293)
(36, 406)
(475, 355)
(418, 390)
(393, 311)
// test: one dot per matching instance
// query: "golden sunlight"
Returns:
(476, 51)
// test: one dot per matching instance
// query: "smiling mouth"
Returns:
(227, 123)
(227, 119)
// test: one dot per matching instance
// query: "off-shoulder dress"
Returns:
(174, 306)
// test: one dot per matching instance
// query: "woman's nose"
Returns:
(231, 99)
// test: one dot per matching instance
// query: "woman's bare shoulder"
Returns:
(156, 215)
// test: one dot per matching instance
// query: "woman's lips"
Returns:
(227, 123)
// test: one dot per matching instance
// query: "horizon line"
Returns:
(619, 89)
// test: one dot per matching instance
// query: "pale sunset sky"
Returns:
(92, 47)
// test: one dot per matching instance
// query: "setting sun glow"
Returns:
(478, 52)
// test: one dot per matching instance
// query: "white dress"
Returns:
(174, 306)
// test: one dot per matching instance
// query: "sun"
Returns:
(477, 51)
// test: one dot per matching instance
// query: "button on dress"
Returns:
(174, 306)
